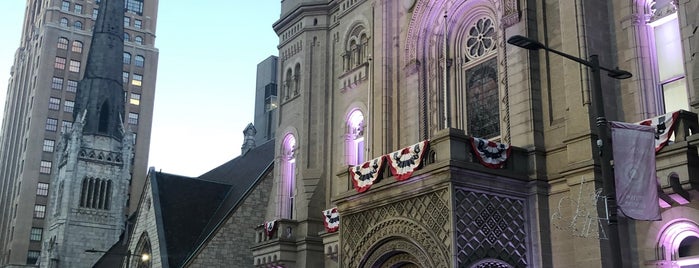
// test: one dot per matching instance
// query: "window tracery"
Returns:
(477, 79)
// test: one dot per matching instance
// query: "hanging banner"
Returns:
(270, 227)
(634, 170)
(332, 220)
(364, 175)
(664, 125)
(405, 161)
(490, 154)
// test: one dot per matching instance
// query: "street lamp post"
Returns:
(603, 141)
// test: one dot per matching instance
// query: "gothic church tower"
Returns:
(89, 199)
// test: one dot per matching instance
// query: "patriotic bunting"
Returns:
(490, 154)
(405, 161)
(331, 220)
(364, 175)
(664, 126)
(270, 227)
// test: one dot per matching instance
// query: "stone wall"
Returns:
(230, 247)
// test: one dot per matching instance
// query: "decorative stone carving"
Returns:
(489, 226)
(511, 13)
(423, 220)
(396, 252)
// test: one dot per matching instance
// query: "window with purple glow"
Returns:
(288, 175)
(679, 244)
(354, 149)
(670, 77)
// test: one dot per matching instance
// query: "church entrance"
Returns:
(396, 253)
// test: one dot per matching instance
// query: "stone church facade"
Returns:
(411, 134)
(362, 79)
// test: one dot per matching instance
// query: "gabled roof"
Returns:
(243, 173)
(185, 206)
(189, 209)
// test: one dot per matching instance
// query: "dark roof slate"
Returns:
(186, 204)
(243, 173)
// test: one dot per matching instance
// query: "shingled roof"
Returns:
(190, 209)
(185, 205)
(243, 173)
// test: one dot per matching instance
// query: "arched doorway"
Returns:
(396, 252)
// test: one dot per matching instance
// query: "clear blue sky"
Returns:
(204, 98)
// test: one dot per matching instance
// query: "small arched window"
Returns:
(288, 174)
(288, 84)
(139, 61)
(297, 78)
(127, 58)
(355, 138)
(77, 47)
(78, 25)
(138, 40)
(64, 22)
(62, 43)
(127, 38)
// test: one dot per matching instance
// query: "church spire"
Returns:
(100, 93)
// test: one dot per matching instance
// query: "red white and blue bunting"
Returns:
(331, 220)
(490, 154)
(405, 161)
(664, 126)
(365, 175)
(270, 227)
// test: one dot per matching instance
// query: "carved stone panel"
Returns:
(489, 227)
(418, 226)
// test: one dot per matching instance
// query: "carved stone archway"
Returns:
(399, 241)
(394, 253)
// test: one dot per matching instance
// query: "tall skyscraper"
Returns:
(41, 97)
(266, 99)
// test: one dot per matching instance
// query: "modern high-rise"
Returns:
(39, 108)
(266, 99)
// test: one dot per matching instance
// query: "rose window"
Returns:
(481, 38)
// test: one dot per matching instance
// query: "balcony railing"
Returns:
(677, 164)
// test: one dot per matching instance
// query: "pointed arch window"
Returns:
(288, 174)
(354, 148)
(143, 253)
